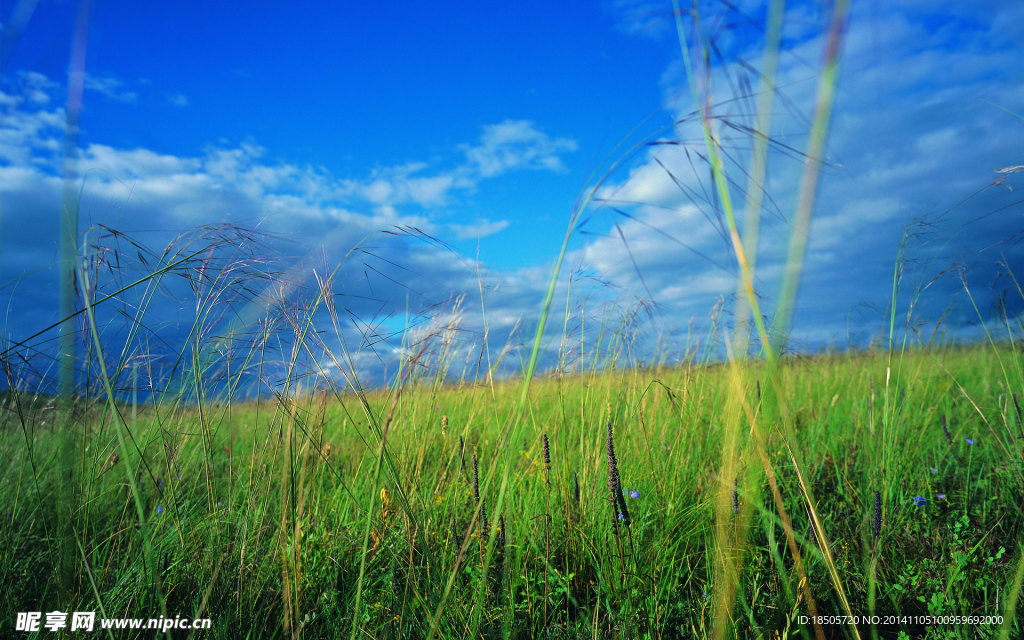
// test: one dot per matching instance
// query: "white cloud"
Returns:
(514, 145)
(110, 87)
(178, 99)
(642, 18)
(32, 133)
(479, 229)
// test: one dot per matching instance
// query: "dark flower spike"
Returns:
(736, 495)
(876, 526)
(476, 479)
(620, 499)
(547, 454)
(613, 479)
(576, 487)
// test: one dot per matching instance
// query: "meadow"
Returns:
(236, 467)
(446, 511)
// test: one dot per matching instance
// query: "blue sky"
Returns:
(449, 143)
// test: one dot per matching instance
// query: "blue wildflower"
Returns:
(634, 494)
(969, 441)
(934, 471)
(621, 517)
(940, 496)
(920, 501)
(159, 509)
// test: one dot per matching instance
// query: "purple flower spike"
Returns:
(920, 501)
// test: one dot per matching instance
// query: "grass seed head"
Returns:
(614, 483)
(876, 525)
(547, 460)
(476, 479)
(620, 499)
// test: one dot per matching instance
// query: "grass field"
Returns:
(736, 490)
(336, 515)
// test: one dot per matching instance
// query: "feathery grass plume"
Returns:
(876, 525)
(576, 487)
(949, 438)
(444, 425)
(476, 479)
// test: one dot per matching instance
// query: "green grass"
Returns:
(328, 510)
(277, 520)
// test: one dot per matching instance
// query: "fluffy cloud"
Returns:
(479, 229)
(516, 144)
(110, 87)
